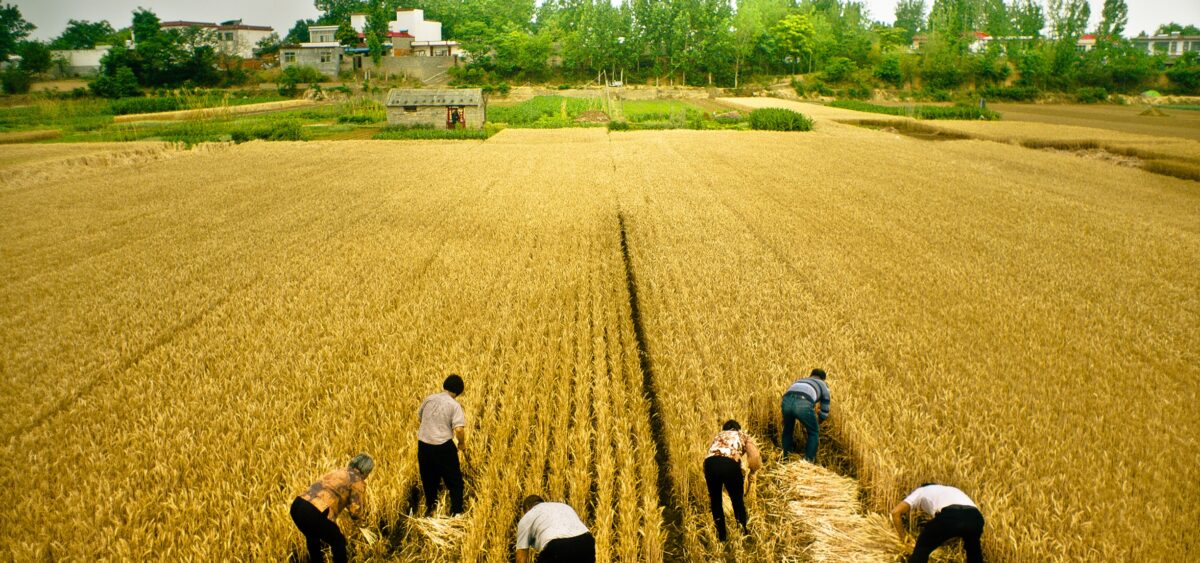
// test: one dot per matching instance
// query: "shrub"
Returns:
(502, 89)
(778, 119)
(1185, 74)
(564, 86)
(1091, 95)
(888, 70)
(1010, 93)
(16, 81)
(122, 85)
(293, 76)
(838, 69)
(618, 125)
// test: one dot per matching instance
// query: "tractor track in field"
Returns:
(673, 516)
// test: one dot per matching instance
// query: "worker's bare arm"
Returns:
(753, 456)
(460, 434)
(898, 518)
(522, 556)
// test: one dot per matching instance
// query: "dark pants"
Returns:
(721, 472)
(579, 549)
(440, 463)
(317, 529)
(954, 521)
(797, 406)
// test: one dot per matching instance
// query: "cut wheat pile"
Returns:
(827, 508)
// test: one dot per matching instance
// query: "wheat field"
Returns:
(192, 336)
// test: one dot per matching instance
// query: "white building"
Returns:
(1173, 45)
(411, 34)
(229, 38)
(82, 62)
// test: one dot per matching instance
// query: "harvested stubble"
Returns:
(204, 113)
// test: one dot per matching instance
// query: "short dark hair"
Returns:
(453, 384)
(731, 424)
(818, 373)
(531, 501)
(928, 484)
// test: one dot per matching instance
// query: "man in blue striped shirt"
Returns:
(799, 403)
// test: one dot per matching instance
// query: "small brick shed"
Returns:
(463, 108)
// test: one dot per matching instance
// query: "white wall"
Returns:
(358, 22)
(413, 21)
(84, 61)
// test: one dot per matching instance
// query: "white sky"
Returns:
(50, 16)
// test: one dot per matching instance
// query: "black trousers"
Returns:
(579, 549)
(722, 472)
(437, 464)
(317, 529)
(955, 521)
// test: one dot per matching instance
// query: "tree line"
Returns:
(836, 44)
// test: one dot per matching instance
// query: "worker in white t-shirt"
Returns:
(555, 532)
(954, 516)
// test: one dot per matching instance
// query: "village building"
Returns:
(322, 51)
(451, 109)
(80, 62)
(231, 38)
(1173, 45)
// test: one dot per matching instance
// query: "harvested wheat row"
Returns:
(826, 507)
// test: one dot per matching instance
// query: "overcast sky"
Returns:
(50, 16)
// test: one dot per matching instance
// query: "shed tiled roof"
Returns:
(464, 97)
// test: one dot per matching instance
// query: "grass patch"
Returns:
(404, 133)
(1183, 107)
(920, 112)
(544, 111)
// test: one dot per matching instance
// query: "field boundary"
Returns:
(667, 501)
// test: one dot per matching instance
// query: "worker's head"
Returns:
(363, 464)
(818, 373)
(453, 384)
(531, 501)
(731, 424)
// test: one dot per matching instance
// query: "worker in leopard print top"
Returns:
(723, 470)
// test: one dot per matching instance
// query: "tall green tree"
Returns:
(299, 32)
(910, 16)
(1068, 18)
(752, 23)
(13, 29)
(795, 37)
(1028, 18)
(996, 20)
(83, 35)
(1169, 28)
(1113, 19)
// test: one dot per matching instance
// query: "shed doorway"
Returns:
(456, 117)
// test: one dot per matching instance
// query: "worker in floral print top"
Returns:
(723, 469)
(315, 511)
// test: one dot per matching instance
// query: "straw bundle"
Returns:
(825, 506)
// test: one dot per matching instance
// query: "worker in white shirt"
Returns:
(954, 516)
(555, 532)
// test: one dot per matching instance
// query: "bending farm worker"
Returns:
(315, 512)
(954, 516)
(799, 403)
(723, 470)
(442, 421)
(554, 530)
